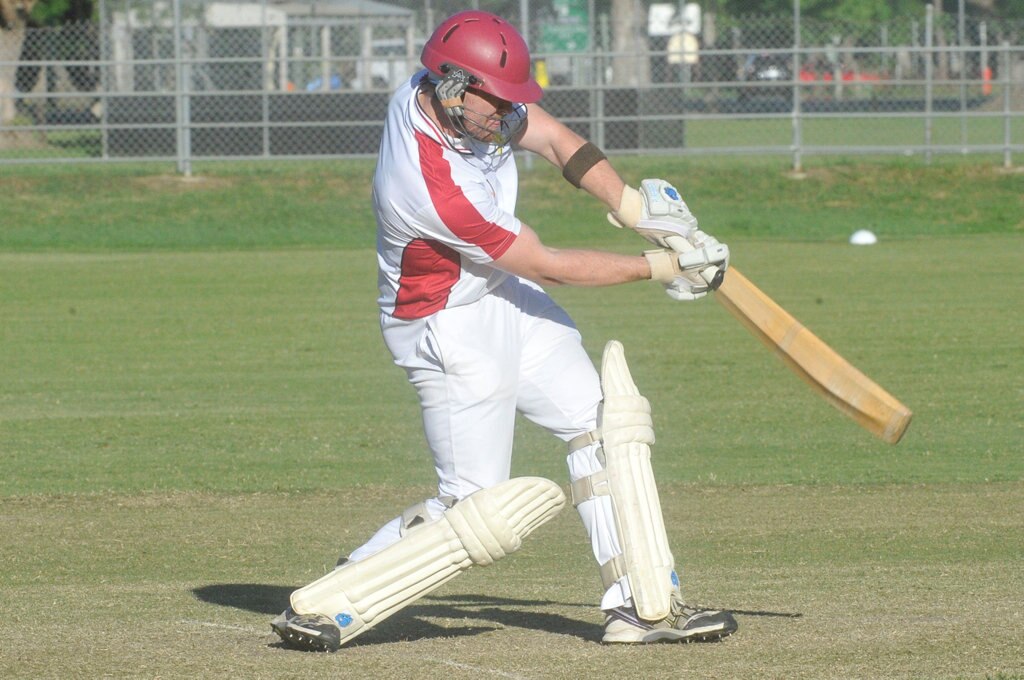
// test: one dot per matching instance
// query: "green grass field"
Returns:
(197, 415)
(879, 131)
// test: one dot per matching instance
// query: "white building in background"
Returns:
(249, 45)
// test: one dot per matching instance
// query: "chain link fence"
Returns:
(192, 80)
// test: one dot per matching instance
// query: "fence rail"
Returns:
(188, 81)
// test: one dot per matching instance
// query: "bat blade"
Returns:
(838, 381)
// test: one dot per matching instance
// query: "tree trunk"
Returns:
(627, 41)
(13, 19)
(942, 65)
(10, 51)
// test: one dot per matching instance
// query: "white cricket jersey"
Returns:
(444, 213)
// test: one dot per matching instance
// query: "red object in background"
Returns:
(809, 76)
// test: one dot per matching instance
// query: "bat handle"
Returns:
(711, 274)
(714, 276)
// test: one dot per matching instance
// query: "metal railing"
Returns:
(189, 81)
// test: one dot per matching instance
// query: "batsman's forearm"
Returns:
(529, 258)
(590, 268)
(604, 183)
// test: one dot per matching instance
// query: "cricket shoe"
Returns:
(683, 624)
(307, 632)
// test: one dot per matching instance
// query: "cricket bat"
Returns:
(832, 376)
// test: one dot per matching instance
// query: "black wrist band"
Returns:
(586, 157)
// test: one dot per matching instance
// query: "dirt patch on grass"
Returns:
(14, 185)
(180, 183)
(22, 139)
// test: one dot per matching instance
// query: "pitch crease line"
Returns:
(477, 669)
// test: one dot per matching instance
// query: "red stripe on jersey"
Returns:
(429, 271)
(454, 209)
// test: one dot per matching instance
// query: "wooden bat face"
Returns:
(819, 365)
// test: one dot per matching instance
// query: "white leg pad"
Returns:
(481, 528)
(627, 432)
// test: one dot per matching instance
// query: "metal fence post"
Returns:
(181, 109)
(267, 68)
(984, 72)
(1007, 85)
(797, 120)
(597, 103)
(929, 26)
(105, 64)
(962, 60)
(524, 23)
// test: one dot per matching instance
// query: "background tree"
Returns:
(54, 12)
(68, 35)
(629, 22)
(14, 18)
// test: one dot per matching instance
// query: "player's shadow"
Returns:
(482, 613)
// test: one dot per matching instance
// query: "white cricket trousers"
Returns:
(473, 367)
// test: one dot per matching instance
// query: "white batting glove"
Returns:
(703, 240)
(686, 275)
(667, 264)
(707, 251)
(656, 212)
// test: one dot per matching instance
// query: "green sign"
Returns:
(570, 8)
(570, 31)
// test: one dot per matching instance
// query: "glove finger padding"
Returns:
(702, 239)
(684, 289)
(716, 254)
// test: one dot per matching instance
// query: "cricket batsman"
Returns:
(463, 311)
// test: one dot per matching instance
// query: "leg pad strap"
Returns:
(589, 487)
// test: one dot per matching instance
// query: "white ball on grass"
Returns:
(863, 237)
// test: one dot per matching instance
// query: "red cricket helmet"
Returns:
(488, 48)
